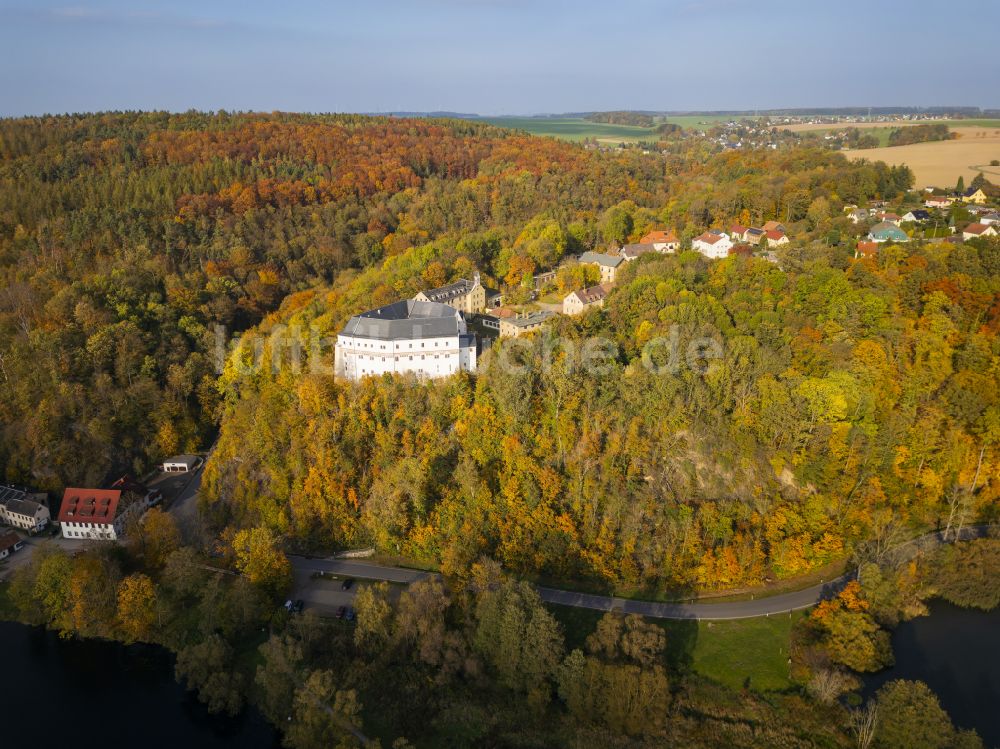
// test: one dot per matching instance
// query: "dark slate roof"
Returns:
(406, 320)
(920, 214)
(8, 493)
(450, 291)
(22, 507)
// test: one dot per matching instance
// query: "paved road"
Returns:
(767, 606)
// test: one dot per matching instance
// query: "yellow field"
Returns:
(941, 163)
(804, 127)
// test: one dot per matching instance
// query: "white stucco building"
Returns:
(428, 339)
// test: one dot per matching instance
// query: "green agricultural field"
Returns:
(734, 653)
(574, 129)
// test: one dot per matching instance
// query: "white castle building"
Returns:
(429, 339)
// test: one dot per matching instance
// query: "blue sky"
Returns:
(494, 56)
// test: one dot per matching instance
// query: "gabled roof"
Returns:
(600, 258)
(634, 250)
(976, 228)
(450, 291)
(918, 213)
(971, 191)
(774, 235)
(592, 294)
(709, 237)
(660, 236)
(754, 231)
(89, 506)
(531, 318)
(772, 225)
(867, 248)
(8, 540)
(737, 229)
(24, 507)
(408, 319)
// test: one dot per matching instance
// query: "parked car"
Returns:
(350, 614)
(341, 612)
(346, 585)
(298, 606)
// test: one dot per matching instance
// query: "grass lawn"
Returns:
(734, 652)
(729, 652)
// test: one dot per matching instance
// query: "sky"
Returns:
(494, 56)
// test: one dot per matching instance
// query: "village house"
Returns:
(886, 232)
(916, 215)
(582, 299)
(714, 244)
(663, 241)
(464, 295)
(632, 251)
(975, 195)
(858, 215)
(775, 226)
(18, 508)
(974, 231)
(9, 543)
(866, 249)
(753, 235)
(938, 201)
(100, 514)
(990, 218)
(428, 339)
(737, 232)
(608, 264)
(775, 238)
(522, 323)
(888, 218)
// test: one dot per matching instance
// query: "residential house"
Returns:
(938, 201)
(522, 323)
(775, 226)
(608, 264)
(886, 232)
(916, 215)
(632, 251)
(858, 215)
(663, 241)
(20, 509)
(990, 218)
(463, 295)
(428, 339)
(888, 218)
(714, 244)
(975, 195)
(775, 238)
(99, 514)
(866, 249)
(974, 231)
(737, 232)
(582, 299)
(9, 543)
(753, 235)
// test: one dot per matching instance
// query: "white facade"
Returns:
(719, 248)
(428, 339)
(181, 464)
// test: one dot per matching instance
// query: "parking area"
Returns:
(20, 558)
(323, 592)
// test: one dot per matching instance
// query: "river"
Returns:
(955, 652)
(93, 693)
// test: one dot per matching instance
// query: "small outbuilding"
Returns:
(181, 464)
